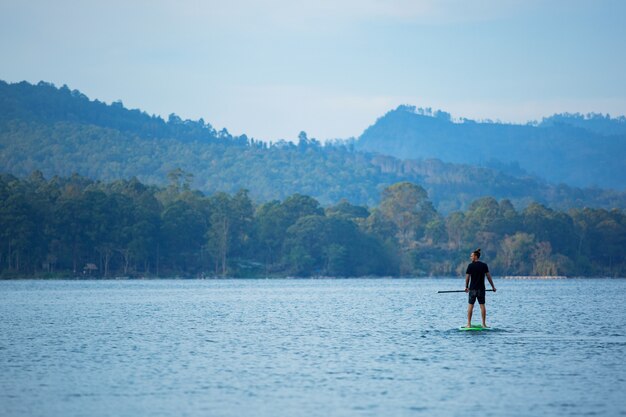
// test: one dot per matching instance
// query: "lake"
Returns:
(379, 347)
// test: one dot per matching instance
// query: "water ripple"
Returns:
(314, 348)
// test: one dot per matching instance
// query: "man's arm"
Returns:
(467, 277)
(490, 281)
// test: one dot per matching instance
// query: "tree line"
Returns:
(76, 227)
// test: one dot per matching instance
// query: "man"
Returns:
(475, 286)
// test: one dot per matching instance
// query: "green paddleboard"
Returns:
(475, 327)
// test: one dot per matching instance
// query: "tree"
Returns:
(72, 218)
(544, 264)
(348, 211)
(549, 225)
(514, 255)
(270, 226)
(229, 225)
(455, 228)
(182, 234)
(304, 245)
(405, 205)
(17, 229)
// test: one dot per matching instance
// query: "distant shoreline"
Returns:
(217, 278)
(542, 277)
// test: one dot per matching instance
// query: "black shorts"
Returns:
(474, 294)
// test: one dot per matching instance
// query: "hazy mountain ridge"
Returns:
(59, 132)
(45, 103)
(593, 122)
(573, 149)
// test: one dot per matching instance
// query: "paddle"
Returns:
(439, 292)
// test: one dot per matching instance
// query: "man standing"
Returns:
(475, 285)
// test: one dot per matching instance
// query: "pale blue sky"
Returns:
(330, 67)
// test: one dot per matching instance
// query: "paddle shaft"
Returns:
(439, 292)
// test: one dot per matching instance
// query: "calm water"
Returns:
(310, 348)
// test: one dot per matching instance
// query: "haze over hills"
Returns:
(579, 150)
(59, 131)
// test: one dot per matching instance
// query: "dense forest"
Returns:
(59, 131)
(77, 227)
(575, 149)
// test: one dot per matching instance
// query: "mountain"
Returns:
(573, 149)
(60, 131)
(45, 104)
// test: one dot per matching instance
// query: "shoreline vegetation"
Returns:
(55, 277)
(75, 227)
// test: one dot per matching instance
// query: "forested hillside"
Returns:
(568, 148)
(60, 132)
(79, 227)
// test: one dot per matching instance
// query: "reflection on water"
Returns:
(309, 347)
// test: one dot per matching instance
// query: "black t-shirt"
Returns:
(477, 271)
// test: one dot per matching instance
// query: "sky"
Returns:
(270, 69)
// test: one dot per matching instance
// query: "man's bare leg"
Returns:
(483, 314)
(470, 310)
